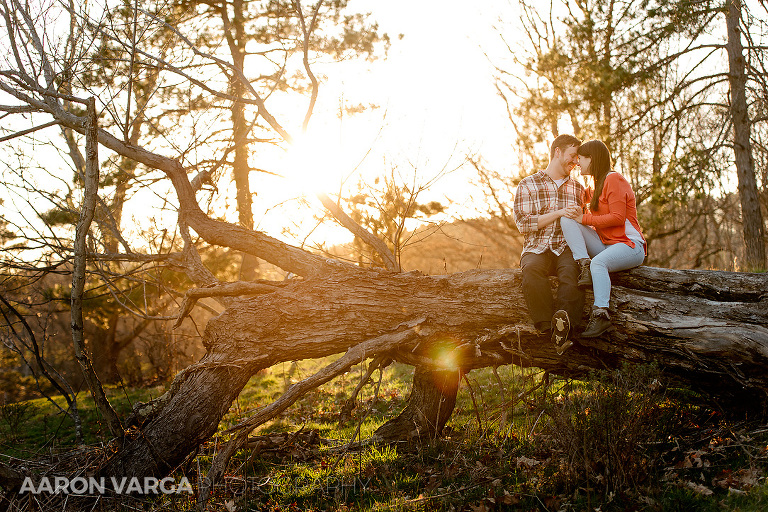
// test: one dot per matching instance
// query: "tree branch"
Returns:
(91, 184)
(28, 131)
(307, 34)
(366, 236)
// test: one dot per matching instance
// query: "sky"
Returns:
(436, 104)
(437, 76)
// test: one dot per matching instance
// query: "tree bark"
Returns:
(706, 328)
(430, 405)
(751, 215)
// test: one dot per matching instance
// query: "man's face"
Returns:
(569, 158)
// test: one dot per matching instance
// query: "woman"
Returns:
(607, 231)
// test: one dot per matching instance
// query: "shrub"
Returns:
(14, 415)
(607, 428)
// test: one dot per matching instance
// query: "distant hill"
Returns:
(455, 247)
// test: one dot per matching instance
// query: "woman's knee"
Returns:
(567, 223)
(614, 259)
(598, 266)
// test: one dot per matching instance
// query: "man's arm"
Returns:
(548, 218)
(524, 210)
(527, 219)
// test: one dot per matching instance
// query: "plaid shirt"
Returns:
(536, 195)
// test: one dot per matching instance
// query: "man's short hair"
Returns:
(563, 142)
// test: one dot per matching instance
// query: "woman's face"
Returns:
(584, 164)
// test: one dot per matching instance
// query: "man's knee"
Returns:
(534, 265)
(568, 270)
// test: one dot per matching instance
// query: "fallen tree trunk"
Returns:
(709, 329)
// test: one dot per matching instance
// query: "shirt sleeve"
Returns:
(526, 218)
(616, 195)
(586, 197)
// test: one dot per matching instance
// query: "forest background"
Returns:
(420, 135)
(653, 83)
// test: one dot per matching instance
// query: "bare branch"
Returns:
(91, 183)
(28, 131)
(366, 236)
(307, 34)
(246, 83)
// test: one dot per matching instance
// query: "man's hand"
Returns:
(548, 218)
(573, 212)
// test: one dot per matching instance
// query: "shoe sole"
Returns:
(560, 334)
(565, 346)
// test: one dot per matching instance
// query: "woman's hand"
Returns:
(574, 212)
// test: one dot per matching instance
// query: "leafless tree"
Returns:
(696, 324)
(676, 100)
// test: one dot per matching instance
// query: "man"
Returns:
(541, 199)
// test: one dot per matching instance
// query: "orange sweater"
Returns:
(615, 206)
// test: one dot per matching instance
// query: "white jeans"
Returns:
(584, 242)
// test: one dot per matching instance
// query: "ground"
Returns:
(517, 441)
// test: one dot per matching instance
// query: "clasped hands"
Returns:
(573, 212)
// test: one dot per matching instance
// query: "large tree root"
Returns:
(430, 405)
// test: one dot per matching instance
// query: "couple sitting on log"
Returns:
(577, 234)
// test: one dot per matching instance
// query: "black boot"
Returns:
(599, 322)
(585, 276)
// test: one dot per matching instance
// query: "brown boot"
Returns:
(599, 322)
(561, 328)
(585, 276)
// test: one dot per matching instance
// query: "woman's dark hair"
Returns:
(599, 167)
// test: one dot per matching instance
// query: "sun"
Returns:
(317, 162)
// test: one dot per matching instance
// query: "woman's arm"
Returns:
(615, 191)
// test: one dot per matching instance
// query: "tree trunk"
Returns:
(430, 405)
(751, 215)
(703, 327)
(91, 186)
(241, 171)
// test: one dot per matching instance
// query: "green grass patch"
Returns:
(517, 440)
(45, 429)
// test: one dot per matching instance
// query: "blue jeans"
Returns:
(585, 243)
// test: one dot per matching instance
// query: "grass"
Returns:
(511, 444)
(44, 429)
